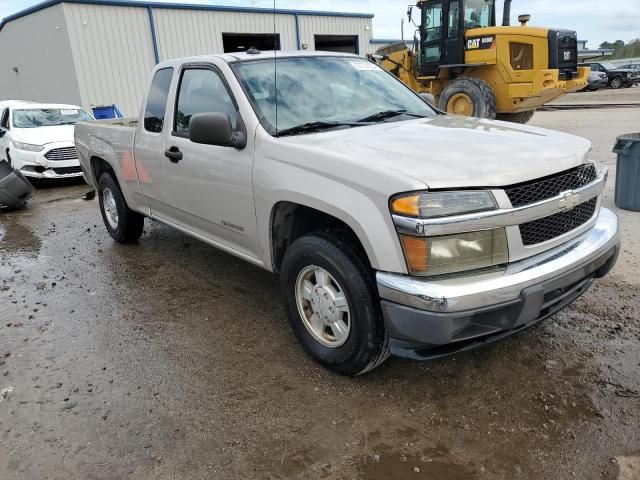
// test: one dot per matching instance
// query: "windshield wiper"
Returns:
(384, 115)
(315, 127)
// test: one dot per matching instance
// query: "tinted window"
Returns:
(157, 100)
(201, 91)
(454, 19)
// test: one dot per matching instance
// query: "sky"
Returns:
(594, 20)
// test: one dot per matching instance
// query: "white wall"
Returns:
(113, 54)
(99, 55)
(320, 25)
(38, 45)
(183, 33)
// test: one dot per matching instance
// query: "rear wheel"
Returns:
(123, 224)
(520, 117)
(470, 97)
(616, 83)
(332, 305)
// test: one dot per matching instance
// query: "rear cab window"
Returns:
(156, 107)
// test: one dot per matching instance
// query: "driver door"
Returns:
(209, 188)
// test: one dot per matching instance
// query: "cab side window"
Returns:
(202, 91)
(157, 101)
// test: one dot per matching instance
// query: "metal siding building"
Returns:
(98, 52)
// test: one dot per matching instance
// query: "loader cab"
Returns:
(443, 27)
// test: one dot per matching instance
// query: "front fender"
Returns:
(365, 211)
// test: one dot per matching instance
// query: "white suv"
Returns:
(37, 138)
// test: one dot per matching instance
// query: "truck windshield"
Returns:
(325, 91)
(48, 117)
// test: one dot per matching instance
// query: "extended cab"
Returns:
(394, 228)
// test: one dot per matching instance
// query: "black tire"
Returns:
(367, 344)
(129, 223)
(629, 86)
(616, 83)
(480, 92)
(520, 117)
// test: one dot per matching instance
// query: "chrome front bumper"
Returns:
(437, 311)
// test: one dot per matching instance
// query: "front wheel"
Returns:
(520, 117)
(332, 305)
(470, 97)
(123, 224)
(616, 83)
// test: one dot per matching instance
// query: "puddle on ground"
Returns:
(15, 238)
(431, 463)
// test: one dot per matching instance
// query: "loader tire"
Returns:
(520, 117)
(470, 97)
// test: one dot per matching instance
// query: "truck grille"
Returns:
(551, 227)
(543, 189)
(66, 170)
(66, 153)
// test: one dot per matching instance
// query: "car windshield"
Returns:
(609, 66)
(325, 90)
(48, 117)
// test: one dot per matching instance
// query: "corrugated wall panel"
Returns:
(195, 32)
(113, 54)
(311, 25)
(38, 47)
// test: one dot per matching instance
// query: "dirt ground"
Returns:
(169, 359)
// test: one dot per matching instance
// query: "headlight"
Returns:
(27, 147)
(455, 253)
(442, 204)
(450, 253)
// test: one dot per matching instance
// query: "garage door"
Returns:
(241, 42)
(337, 43)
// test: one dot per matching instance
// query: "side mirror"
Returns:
(2, 132)
(410, 14)
(428, 98)
(215, 129)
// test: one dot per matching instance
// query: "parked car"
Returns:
(37, 138)
(618, 77)
(597, 80)
(631, 66)
(395, 228)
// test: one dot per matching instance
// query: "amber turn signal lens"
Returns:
(408, 206)
(416, 251)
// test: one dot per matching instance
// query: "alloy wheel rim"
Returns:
(323, 306)
(110, 208)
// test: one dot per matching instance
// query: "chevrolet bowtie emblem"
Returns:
(570, 200)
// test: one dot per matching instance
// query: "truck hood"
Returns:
(453, 152)
(43, 135)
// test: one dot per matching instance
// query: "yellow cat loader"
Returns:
(473, 67)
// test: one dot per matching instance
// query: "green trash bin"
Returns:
(628, 172)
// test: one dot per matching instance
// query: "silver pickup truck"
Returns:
(395, 228)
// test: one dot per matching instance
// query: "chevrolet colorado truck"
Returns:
(394, 228)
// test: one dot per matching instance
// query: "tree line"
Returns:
(622, 49)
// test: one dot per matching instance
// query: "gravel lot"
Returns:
(169, 359)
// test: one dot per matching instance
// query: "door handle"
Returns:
(173, 154)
